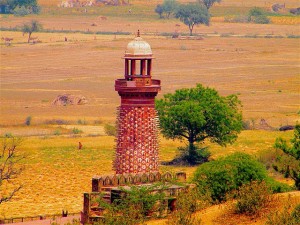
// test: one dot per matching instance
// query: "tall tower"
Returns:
(137, 123)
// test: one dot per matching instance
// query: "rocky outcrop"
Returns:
(68, 99)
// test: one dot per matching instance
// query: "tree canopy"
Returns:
(32, 26)
(193, 14)
(168, 7)
(208, 3)
(7, 6)
(200, 113)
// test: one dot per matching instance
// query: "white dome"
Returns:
(138, 47)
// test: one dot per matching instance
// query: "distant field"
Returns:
(264, 72)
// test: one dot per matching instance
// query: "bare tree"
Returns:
(10, 168)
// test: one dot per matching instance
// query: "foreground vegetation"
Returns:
(57, 173)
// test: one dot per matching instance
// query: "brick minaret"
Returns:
(137, 124)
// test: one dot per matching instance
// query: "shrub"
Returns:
(82, 122)
(261, 19)
(57, 132)
(28, 120)
(236, 19)
(256, 11)
(198, 156)
(226, 174)
(56, 121)
(76, 131)
(132, 207)
(252, 197)
(21, 11)
(110, 130)
(257, 15)
(188, 203)
(296, 213)
(291, 152)
(8, 135)
(276, 186)
(289, 216)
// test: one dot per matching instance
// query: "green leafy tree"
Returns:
(193, 14)
(10, 5)
(257, 15)
(159, 10)
(292, 149)
(199, 113)
(169, 7)
(208, 3)
(33, 26)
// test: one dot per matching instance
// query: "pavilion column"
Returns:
(133, 67)
(143, 67)
(149, 67)
(126, 67)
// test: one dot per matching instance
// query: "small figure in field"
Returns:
(65, 214)
(79, 145)
(66, 39)
(34, 40)
(7, 40)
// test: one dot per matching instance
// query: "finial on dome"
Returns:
(138, 33)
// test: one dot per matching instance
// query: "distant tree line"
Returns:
(19, 7)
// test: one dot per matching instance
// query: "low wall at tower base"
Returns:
(111, 187)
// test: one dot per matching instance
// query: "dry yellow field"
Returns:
(264, 72)
(233, 58)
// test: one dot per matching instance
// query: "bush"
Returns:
(196, 156)
(236, 19)
(252, 197)
(256, 11)
(76, 131)
(21, 11)
(276, 186)
(188, 203)
(82, 122)
(28, 120)
(110, 130)
(36, 9)
(257, 15)
(261, 19)
(132, 207)
(289, 216)
(227, 174)
(296, 213)
(57, 132)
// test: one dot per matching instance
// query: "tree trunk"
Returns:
(29, 35)
(191, 27)
(191, 149)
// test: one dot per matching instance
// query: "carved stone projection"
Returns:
(137, 124)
